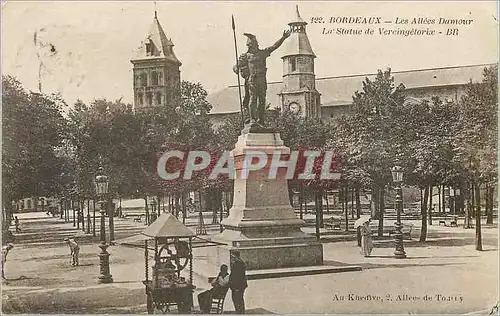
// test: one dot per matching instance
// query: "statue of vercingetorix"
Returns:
(252, 67)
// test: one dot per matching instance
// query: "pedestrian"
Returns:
(5, 252)
(238, 282)
(16, 222)
(74, 251)
(219, 286)
(366, 239)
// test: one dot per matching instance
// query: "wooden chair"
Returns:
(217, 305)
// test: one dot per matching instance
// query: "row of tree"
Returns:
(438, 143)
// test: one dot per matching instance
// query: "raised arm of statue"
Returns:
(278, 43)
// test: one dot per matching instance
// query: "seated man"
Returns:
(218, 284)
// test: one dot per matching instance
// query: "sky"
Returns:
(85, 47)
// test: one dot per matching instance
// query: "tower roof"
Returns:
(298, 42)
(297, 19)
(156, 44)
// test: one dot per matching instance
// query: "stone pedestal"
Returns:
(262, 225)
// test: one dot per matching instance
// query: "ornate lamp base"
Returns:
(105, 276)
(398, 238)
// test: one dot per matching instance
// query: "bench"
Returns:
(450, 221)
(332, 223)
(406, 230)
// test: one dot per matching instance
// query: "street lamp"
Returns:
(101, 188)
(397, 177)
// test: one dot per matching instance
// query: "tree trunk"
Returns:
(93, 217)
(327, 203)
(317, 208)
(381, 212)
(146, 209)
(444, 199)
(430, 205)
(111, 215)
(423, 212)
(477, 197)
(376, 202)
(467, 198)
(320, 205)
(346, 197)
(301, 200)
(352, 203)
(358, 215)
(183, 203)
(440, 210)
(489, 210)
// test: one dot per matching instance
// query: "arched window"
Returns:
(154, 78)
(144, 80)
(140, 100)
(150, 99)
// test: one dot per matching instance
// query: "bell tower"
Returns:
(156, 71)
(299, 92)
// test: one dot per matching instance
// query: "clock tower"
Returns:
(156, 71)
(299, 92)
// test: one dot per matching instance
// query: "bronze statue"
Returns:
(252, 67)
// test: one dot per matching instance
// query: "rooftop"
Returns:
(338, 90)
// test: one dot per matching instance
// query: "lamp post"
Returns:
(101, 187)
(397, 177)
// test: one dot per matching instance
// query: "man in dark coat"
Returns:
(238, 281)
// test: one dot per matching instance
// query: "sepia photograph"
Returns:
(250, 157)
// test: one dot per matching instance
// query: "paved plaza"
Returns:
(445, 274)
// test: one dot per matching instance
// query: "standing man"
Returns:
(238, 282)
(74, 251)
(5, 252)
(16, 222)
(252, 66)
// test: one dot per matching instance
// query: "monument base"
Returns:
(258, 256)
(262, 225)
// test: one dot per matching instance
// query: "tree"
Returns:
(367, 138)
(476, 140)
(33, 131)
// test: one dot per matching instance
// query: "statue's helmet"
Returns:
(252, 40)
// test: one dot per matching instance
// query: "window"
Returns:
(139, 99)
(144, 80)
(293, 63)
(149, 49)
(150, 99)
(29, 203)
(158, 98)
(154, 78)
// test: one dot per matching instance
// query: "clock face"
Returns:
(294, 107)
